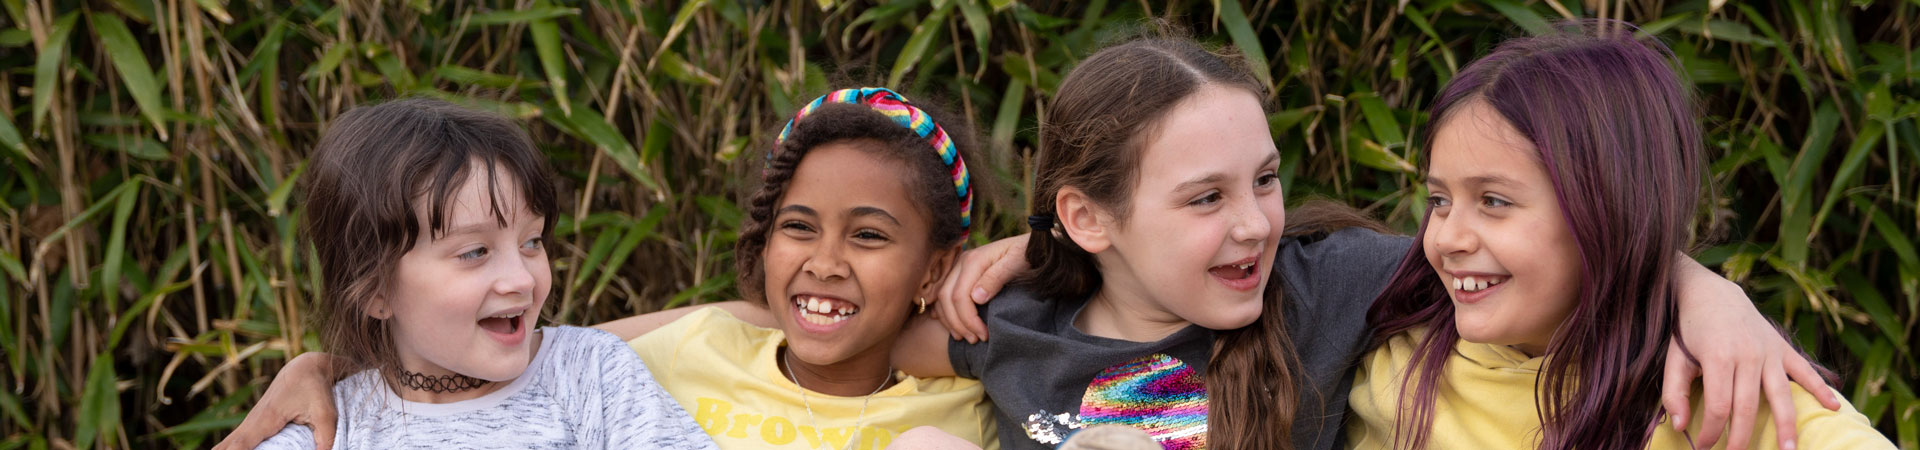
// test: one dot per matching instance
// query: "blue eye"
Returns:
(534, 244)
(473, 254)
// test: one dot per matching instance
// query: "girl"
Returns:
(1536, 302)
(865, 201)
(1159, 224)
(429, 221)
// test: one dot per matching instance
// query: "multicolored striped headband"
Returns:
(895, 107)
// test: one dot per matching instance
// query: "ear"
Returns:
(941, 264)
(1086, 223)
(378, 308)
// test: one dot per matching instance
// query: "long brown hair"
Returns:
(371, 167)
(1092, 140)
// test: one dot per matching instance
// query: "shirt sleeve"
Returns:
(632, 410)
(293, 437)
(1338, 275)
(969, 359)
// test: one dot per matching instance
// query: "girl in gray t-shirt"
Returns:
(429, 221)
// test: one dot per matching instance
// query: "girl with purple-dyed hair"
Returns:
(1536, 305)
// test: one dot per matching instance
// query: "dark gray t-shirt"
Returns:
(1046, 378)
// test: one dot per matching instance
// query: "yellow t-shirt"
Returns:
(1485, 399)
(723, 371)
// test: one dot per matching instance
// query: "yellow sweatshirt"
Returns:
(1485, 399)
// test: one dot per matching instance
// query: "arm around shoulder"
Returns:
(632, 327)
(921, 350)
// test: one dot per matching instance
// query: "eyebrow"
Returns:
(1216, 177)
(869, 211)
(798, 209)
(1478, 180)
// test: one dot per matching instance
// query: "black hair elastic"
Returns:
(1041, 222)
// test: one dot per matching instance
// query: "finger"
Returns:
(950, 318)
(1746, 406)
(323, 434)
(1716, 403)
(971, 268)
(1803, 372)
(1677, 385)
(1780, 402)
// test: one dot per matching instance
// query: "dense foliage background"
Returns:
(150, 279)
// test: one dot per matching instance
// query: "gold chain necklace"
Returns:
(786, 359)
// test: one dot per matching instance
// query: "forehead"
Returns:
(472, 200)
(1476, 141)
(842, 175)
(1215, 129)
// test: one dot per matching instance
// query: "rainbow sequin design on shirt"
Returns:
(1156, 393)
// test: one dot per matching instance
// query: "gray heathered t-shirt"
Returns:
(1045, 377)
(584, 389)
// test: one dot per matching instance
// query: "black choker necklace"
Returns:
(440, 384)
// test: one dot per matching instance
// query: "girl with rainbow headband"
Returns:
(865, 202)
(1534, 306)
(1166, 287)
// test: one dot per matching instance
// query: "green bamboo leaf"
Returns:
(138, 146)
(471, 77)
(1419, 20)
(1012, 100)
(216, 9)
(132, 66)
(46, 70)
(99, 405)
(1380, 120)
(10, 138)
(11, 265)
(916, 48)
(390, 67)
(977, 22)
(267, 52)
(634, 236)
(707, 288)
(603, 242)
(277, 200)
(329, 60)
(1796, 215)
(999, 5)
(546, 44)
(11, 405)
(15, 37)
(1868, 298)
(1793, 62)
(654, 145)
(1281, 121)
(520, 15)
(680, 20)
(1372, 154)
(680, 69)
(588, 124)
(1724, 30)
(1525, 17)
(117, 245)
(1656, 27)
(1244, 37)
(1850, 165)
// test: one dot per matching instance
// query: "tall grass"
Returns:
(153, 281)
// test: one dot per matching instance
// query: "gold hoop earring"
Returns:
(923, 305)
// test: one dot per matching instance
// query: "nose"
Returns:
(1250, 222)
(826, 262)
(1455, 235)
(516, 276)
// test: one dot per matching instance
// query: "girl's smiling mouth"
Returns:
(508, 327)
(821, 314)
(1240, 275)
